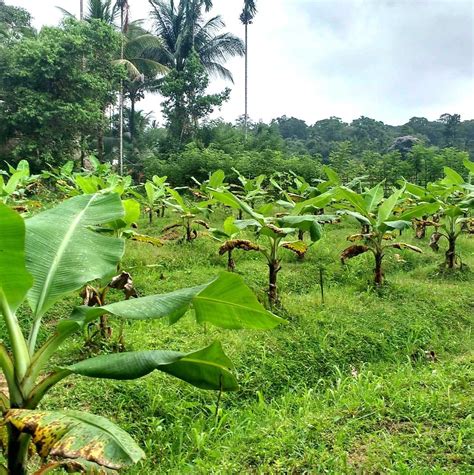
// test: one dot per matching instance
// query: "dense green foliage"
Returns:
(55, 87)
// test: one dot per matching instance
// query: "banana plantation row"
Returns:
(75, 245)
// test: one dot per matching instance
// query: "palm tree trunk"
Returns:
(246, 81)
(132, 118)
(81, 10)
(121, 100)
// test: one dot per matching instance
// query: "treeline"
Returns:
(61, 91)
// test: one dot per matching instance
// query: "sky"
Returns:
(312, 59)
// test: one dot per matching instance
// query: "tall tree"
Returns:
(123, 6)
(47, 105)
(187, 37)
(140, 51)
(246, 17)
(186, 101)
(182, 29)
(15, 23)
(451, 124)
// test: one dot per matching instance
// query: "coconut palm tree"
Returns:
(140, 50)
(182, 28)
(246, 17)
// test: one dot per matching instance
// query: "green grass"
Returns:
(344, 387)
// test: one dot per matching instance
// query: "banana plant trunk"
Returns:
(18, 444)
(451, 253)
(420, 231)
(273, 268)
(378, 272)
(230, 261)
(189, 236)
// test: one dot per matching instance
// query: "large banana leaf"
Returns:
(319, 201)
(225, 302)
(229, 199)
(386, 208)
(373, 197)
(63, 253)
(357, 201)
(425, 209)
(309, 223)
(15, 280)
(208, 368)
(77, 435)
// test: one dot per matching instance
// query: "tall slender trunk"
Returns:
(378, 272)
(121, 99)
(81, 10)
(132, 118)
(100, 137)
(246, 81)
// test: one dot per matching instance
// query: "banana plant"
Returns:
(215, 181)
(228, 235)
(14, 184)
(302, 198)
(452, 198)
(188, 213)
(155, 196)
(277, 231)
(378, 216)
(49, 257)
(250, 189)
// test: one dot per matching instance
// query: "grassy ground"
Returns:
(370, 382)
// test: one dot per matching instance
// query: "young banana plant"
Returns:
(50, 256)
(188, 215)
(302, 198)
(378, 216)
(216, 181)
(277, 230)
(13, 187)
(250, 189)
(452, 198)
(228, 235)
(155, 196)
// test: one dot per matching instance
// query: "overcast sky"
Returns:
(386, 59)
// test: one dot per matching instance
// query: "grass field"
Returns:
(370, 382)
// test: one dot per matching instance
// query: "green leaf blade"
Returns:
(15, 280)
(63, 254)
(208, 368)
(228, 303)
